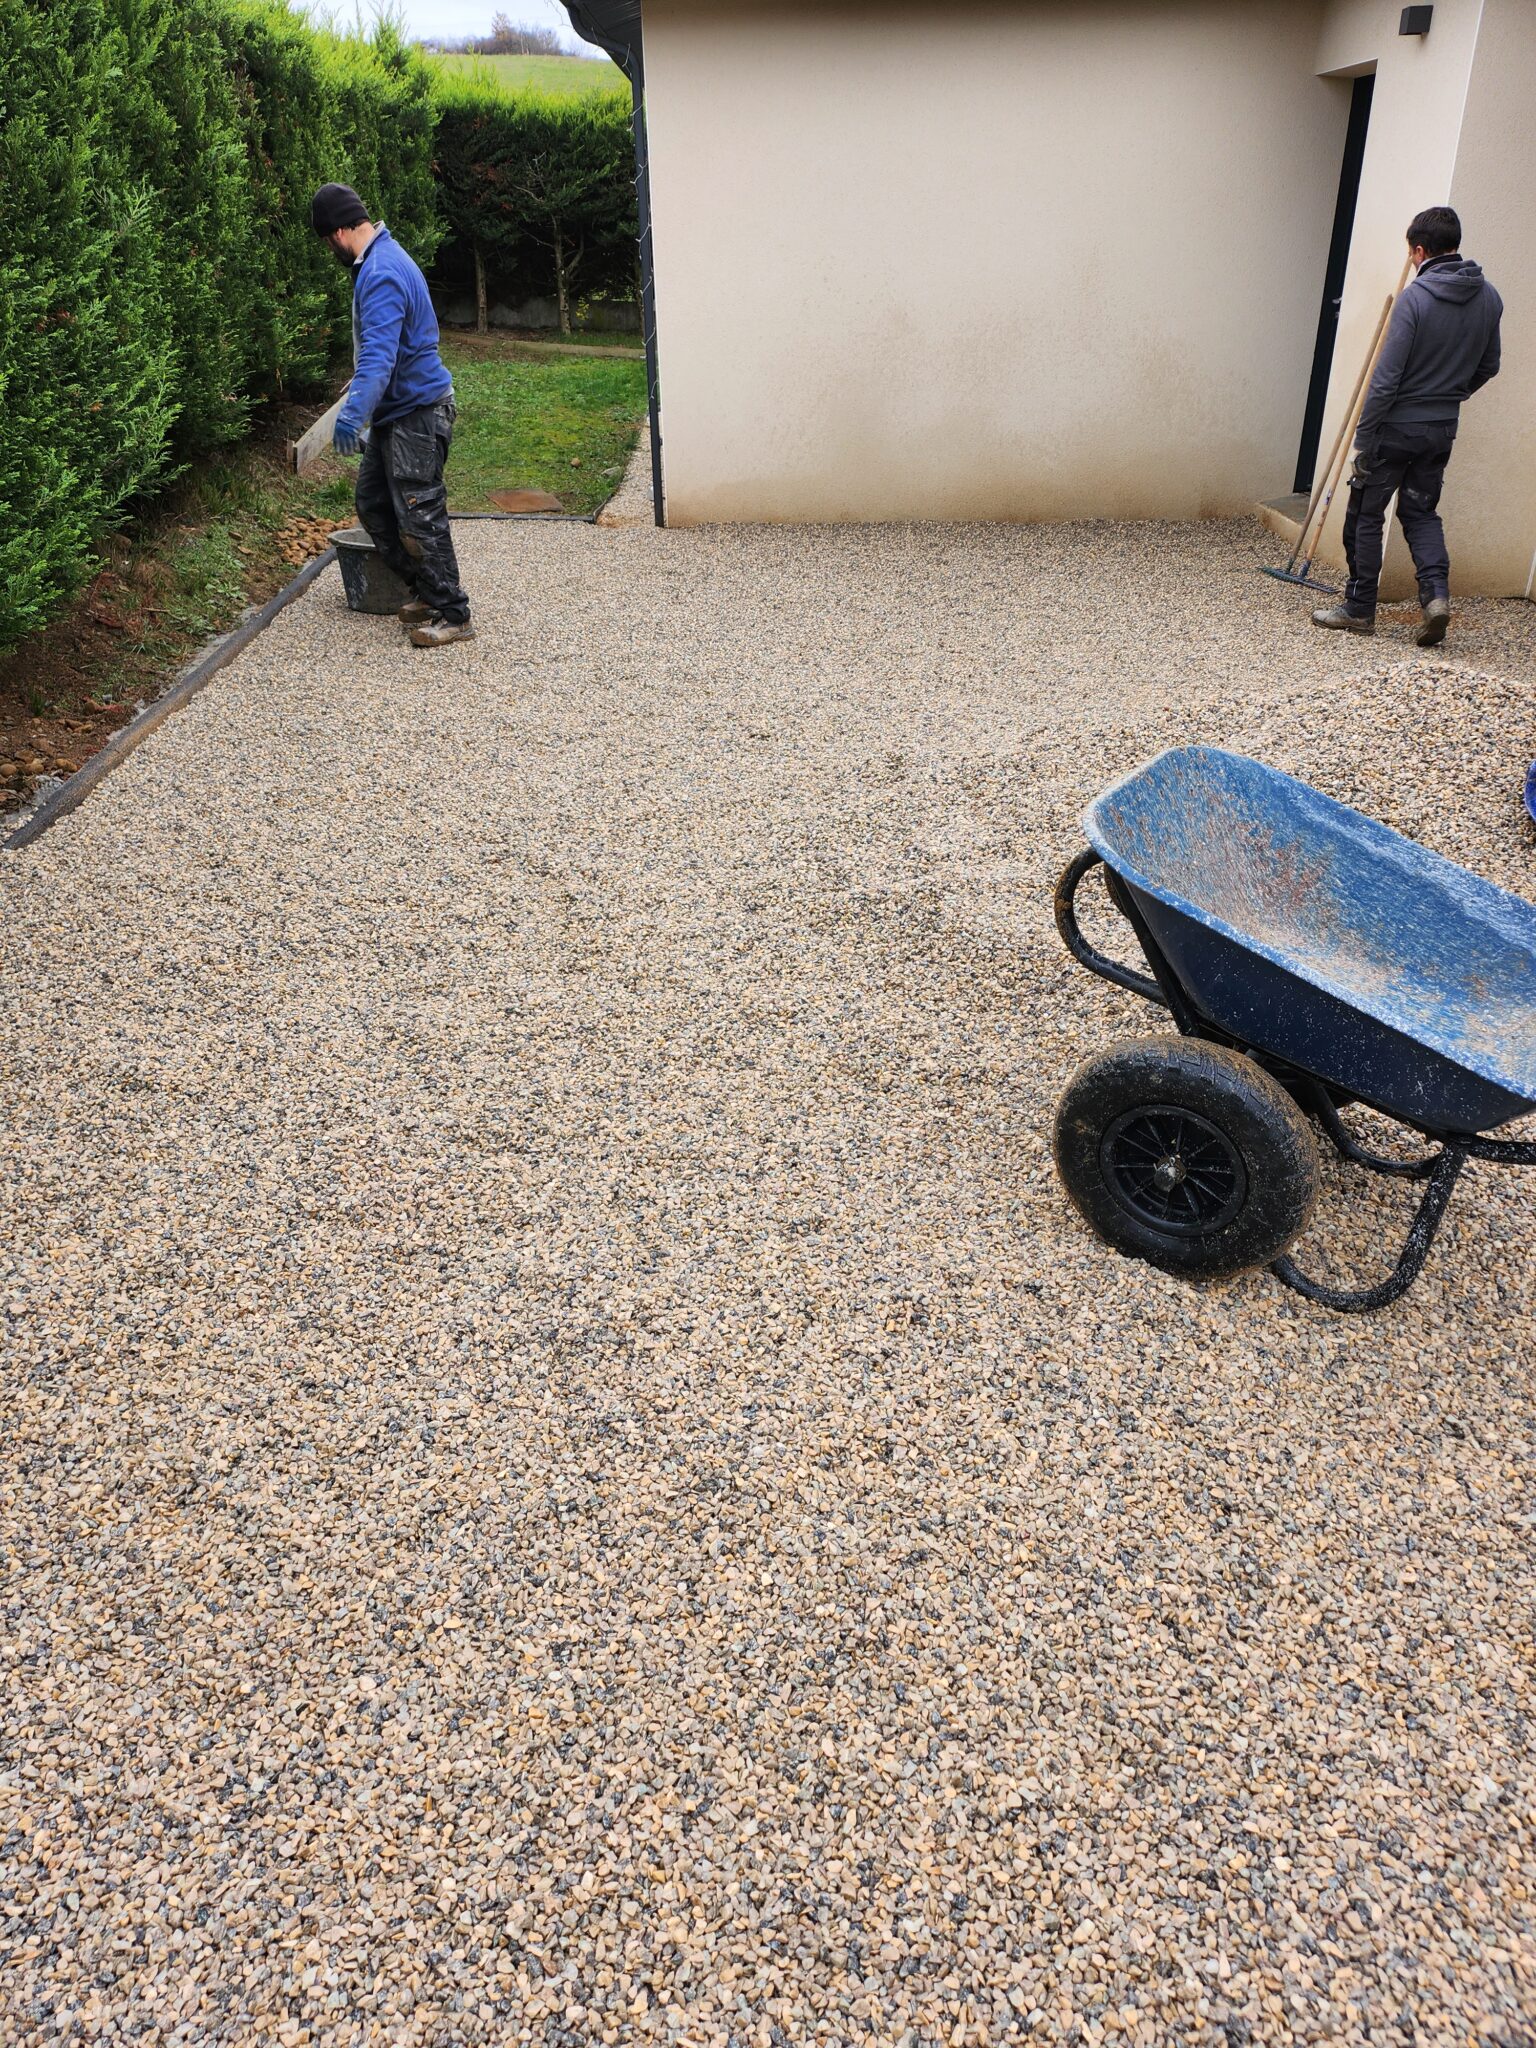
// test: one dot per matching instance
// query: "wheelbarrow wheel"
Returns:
(1186, 1154)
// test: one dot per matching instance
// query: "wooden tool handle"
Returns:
(1322, 496)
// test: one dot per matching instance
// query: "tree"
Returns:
(506, 41)
(87, 350)
(175, 117)
(538, 190)
(575, 184)
(475, 149)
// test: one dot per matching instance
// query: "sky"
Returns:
(454, 17)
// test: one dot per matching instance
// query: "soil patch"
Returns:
(228, 536)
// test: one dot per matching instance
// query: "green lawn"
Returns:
(567, 77)
(565, 424)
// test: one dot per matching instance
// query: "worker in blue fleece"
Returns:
(399, 410)
(1442, 345)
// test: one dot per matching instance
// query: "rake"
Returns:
(1323, 496)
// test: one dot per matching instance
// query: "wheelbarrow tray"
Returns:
(1312, 934)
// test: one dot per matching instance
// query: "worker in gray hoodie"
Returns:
(1441, 346)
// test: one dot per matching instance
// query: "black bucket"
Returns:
(371, 585)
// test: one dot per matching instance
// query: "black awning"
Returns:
(614, 25)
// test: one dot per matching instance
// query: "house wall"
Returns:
(1030, 261)
(1451, 122)
(1491, 498)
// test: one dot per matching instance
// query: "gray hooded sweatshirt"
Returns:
(1442, 345)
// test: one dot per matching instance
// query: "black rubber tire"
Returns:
(1186, 1154)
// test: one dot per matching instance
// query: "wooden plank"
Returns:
(313, 444)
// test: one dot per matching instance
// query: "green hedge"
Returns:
(157, 270)
(158, 275)
(537, 192)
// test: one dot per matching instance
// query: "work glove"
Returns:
(346, 439)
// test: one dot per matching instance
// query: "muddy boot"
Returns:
(1437, 618)
(1338, 618)
(441, 632)
(414, 614)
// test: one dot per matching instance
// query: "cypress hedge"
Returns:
(157, 269)
(537, 192)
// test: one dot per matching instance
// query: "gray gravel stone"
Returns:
(570, 1474)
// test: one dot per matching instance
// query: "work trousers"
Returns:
(1410, 461)
(403, 503)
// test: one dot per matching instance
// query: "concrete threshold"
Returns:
(1284, 516)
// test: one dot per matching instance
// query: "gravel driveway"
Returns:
(569, 1474)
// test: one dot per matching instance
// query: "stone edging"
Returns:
(78, 786)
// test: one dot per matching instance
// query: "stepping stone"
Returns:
(525, 501)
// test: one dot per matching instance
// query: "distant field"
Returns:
(569, 77)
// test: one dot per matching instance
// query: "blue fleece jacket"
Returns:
(398, 367)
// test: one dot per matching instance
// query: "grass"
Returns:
(187, 570)
(564, 424)
(565, 77)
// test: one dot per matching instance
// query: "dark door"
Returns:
(1333, 284)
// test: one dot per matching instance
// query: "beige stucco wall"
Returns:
(1034, 261)
(1451, 122)
(1491, 495)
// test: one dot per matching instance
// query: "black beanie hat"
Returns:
(335, 206)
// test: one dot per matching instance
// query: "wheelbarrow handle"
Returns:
(1072, 937)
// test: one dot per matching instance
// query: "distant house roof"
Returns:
(614, 25)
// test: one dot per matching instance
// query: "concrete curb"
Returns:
(74, 791)
(633, 503)
(558, 348)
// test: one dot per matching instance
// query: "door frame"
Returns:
(1362, 89)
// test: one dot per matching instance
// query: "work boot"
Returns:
(1338, 618)
(1437, 617)
(441, 632)
(414, 614)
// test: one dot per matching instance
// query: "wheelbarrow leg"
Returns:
(1443, 1177)
(1321, 1104)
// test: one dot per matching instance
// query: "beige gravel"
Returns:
(570, 1474)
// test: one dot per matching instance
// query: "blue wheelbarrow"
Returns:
(1310, 958)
